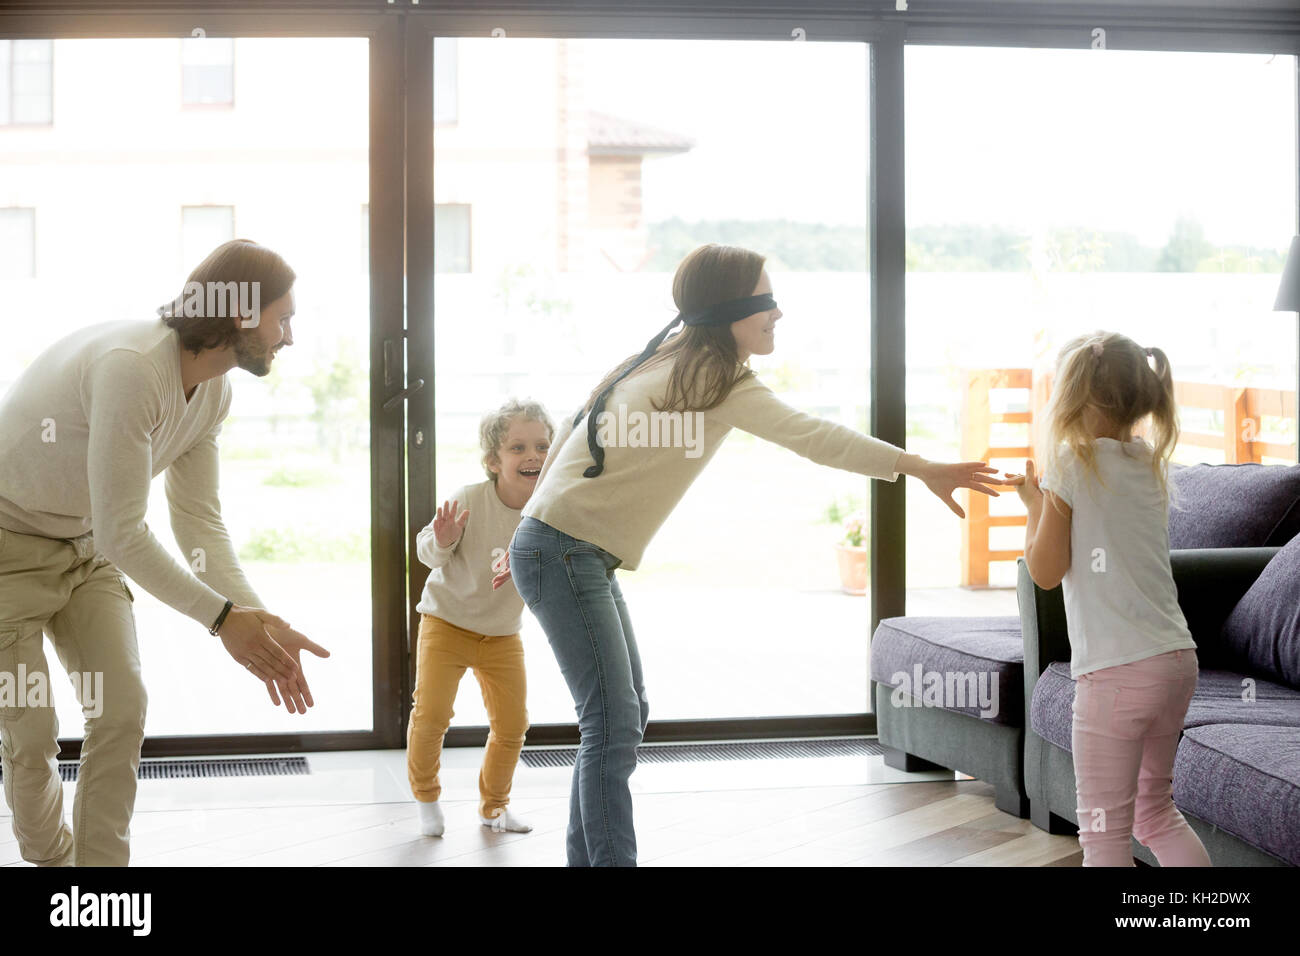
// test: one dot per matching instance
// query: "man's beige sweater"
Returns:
(85, 429)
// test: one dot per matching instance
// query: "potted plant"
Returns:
(851, 552)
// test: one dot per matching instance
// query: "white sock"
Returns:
(431, 823)
(503, 819)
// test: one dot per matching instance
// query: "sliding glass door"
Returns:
(566, 189)
(125, 161)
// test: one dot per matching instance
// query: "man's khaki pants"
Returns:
(62, 586)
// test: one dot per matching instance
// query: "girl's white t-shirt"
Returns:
(1121, 604)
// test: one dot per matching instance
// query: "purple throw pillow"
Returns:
(1234, 506)
(1262, 633)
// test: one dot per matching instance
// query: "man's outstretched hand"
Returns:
(245, 637)
(269, 648)
(296, 693)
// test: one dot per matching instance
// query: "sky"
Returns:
(1116, 140)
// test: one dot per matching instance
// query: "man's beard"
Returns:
(251, 355)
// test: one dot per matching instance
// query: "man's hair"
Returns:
(236, 261)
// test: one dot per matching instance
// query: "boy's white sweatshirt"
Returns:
(459, 588)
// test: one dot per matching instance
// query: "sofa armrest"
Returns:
(1042, 626)
(1210, 583)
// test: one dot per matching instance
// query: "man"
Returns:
(83, 432)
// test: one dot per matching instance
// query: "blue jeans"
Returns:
(569, 586)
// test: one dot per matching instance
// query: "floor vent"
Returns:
(732, 750)
(162, 768)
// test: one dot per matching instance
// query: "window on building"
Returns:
(26, 82)
(17, 243)
(451, 237)
(445, 89)
(208, 71)
(203, 228)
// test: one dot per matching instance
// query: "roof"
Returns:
(609, 135)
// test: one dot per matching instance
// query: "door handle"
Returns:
(404, 394)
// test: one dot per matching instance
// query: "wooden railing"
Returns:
(1241, 441)
(977, 419)
(1243, 410)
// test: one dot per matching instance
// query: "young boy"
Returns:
(464, 623)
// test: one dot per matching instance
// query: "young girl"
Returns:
(465, 623)
(599, 504)
(1104, 536)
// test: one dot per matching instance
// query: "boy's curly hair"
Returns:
(495, 425)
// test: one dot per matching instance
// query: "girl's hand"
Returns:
(943, 478)
(448, 523)
(1027, 488)
(502, 568)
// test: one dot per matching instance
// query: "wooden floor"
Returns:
(944, 822)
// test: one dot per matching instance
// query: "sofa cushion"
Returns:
(972, 665)
(1218, 700)
(1262, 634)
(1221, 698)
(1244, 779)
(1234, 506)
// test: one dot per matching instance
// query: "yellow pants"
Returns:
(443, 653)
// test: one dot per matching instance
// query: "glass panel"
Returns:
(1054, 192)
(587, 186)
(295, 466)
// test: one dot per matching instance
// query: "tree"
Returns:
(337, 392)
(1186, 247)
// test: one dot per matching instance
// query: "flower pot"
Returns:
(853, 569)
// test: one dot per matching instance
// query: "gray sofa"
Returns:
(952, 730)
(1243, 514)
(1237, 772)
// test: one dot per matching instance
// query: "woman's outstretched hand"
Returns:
(943, 478)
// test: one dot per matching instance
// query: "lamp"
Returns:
(1288, 293)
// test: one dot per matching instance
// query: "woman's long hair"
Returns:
(237, 261)
(1115, 376)
(706, 363)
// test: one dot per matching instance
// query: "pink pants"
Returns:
(1127, 721)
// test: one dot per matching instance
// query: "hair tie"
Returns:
(720, 313)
